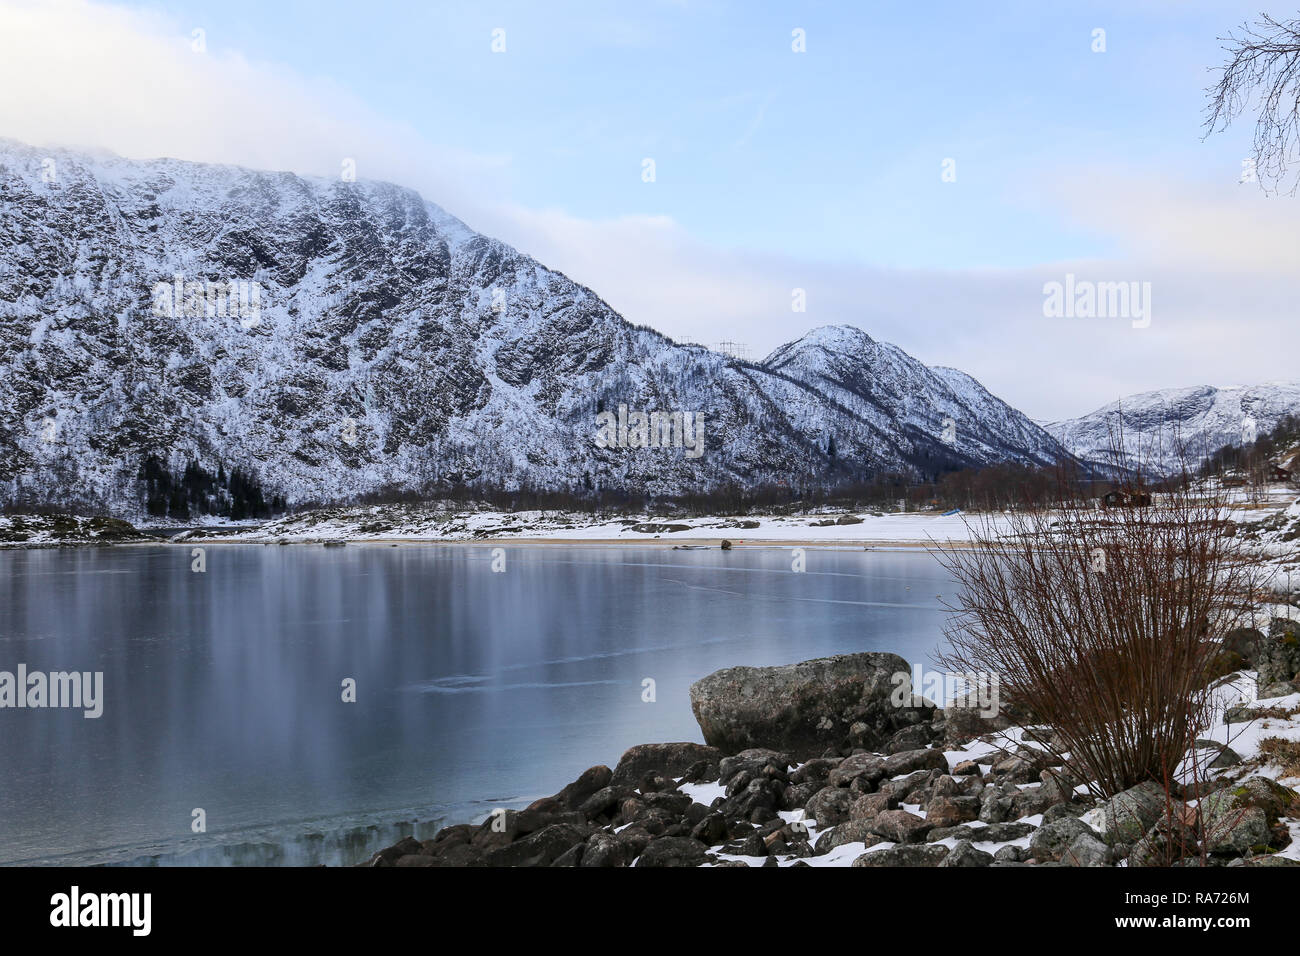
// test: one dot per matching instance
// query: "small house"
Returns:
(1125, 499)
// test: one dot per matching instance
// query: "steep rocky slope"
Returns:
(345, 337)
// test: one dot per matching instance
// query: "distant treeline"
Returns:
(1252, 461)
(990, 487)
(996, 486)
(196, 492)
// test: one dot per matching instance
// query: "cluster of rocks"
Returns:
(808, 759)
(53, 530)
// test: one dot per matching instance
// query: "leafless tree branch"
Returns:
(1263, 63)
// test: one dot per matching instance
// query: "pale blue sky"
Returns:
(834, 153)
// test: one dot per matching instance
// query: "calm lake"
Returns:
(475, 689)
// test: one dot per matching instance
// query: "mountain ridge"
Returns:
(392, 346)
(1162, 428)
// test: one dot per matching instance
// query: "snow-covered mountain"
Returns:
(333, 338)
(1159, 426)
(887, 388)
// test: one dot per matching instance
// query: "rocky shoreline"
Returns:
(813, 764)
(68, 530)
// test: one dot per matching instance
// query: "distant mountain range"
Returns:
(332, 338)
(1164, 427)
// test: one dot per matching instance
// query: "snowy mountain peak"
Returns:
(842, 338)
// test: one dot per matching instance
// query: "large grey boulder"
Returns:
(1239, 819)
(759, 762)
(965, 854)
(865, 769)
(1086, 849)
(911, 761)
(854, 831)
(576, 794)
(838, 703)
(1050, 842)
(1127, 816)
(540, 848)
(673, 851)
(993, 833)
(671, 759)
(910, 855)
(604, 850)
(830, 806)
(900, 826)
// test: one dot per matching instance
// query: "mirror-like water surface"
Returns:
(474, 689)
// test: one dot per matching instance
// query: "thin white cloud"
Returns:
(74, 73)
(1222, 225)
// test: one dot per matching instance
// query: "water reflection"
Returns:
(474, 689)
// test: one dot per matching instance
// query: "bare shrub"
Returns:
(1102, 623)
